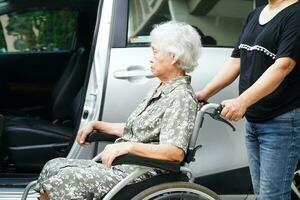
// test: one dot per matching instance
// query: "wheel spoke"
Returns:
(178, 196)
(177, 191)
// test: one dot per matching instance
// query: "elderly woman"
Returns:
(159, 128)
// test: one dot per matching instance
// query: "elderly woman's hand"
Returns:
(111, 151)
(82, 133)
(233, 109)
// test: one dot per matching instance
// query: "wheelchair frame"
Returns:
(147, 163)
(295, 189)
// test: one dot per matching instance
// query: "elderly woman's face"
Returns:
(161, 63)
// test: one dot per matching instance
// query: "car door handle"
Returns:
(122, 74)
(133, 72)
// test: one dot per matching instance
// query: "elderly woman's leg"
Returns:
(51, 168)
(76, 179)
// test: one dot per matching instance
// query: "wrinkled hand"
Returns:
(82, 133)
(233, 109)
(111, 151)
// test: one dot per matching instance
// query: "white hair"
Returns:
(180, 40)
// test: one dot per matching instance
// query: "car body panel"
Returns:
(123, 95)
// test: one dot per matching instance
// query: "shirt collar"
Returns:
(172, 84)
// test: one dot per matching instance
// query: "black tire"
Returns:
(296, 182)
(178, 191)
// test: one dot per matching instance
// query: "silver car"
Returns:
(118, 77)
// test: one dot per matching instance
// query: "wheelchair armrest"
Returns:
(96, 136)
(148, 162)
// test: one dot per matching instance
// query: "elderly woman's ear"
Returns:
(175, 60)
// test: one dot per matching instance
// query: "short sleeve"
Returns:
(236, 51)
(289, 42)
(178, 121)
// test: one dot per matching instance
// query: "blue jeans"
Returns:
(273, 149)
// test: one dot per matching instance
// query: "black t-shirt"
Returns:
(258, 47)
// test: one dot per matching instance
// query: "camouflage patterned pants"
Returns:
(66, 179)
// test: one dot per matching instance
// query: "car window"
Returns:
(3, 2)
(45, 30)
(218, 22)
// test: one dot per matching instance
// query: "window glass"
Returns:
(3, 2)
(218, 22)
(37, 31)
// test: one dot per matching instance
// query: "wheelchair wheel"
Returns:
(296, 184)
(177, 191)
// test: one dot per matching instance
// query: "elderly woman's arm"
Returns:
(110, 128)
(156, 151)
(176, 127)
(104, 127)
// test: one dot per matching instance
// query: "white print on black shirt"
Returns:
(258, 48)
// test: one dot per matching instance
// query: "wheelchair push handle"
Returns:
(208, 106)
(215, 113)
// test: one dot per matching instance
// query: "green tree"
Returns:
(42, 30)
(3, 46)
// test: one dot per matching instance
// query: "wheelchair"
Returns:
(176, 184)
(296, 183)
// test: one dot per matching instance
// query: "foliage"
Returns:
(41, 30)
(2, 41)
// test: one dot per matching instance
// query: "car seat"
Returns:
(31, 141)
